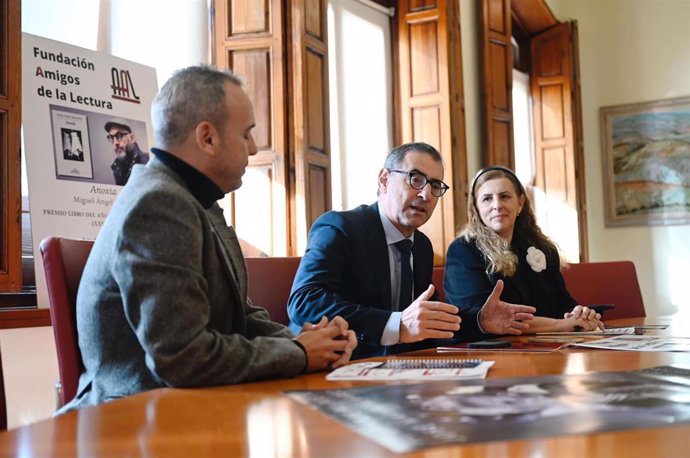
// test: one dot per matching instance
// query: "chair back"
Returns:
(606, 283)
(63, 263)
(437, 280)
(3, 402)
(270, 281)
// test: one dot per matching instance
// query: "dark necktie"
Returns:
(405, 248)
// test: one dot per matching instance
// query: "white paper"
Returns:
(371, 371)
(639, 343)
(600, 332)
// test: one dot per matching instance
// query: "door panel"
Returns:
(280, 48)
(316, 96)
(556, 197)
(315, 18)
(423, 57)
(497, 82)
(308, 116)
(552, 96)
(249, 41)
(248, 16)
(431, 104)
(255, 66)
(10, 123)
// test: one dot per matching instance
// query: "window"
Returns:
(108, 30)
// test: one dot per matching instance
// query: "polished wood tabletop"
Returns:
(257, 420)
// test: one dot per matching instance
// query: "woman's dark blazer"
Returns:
(467, 285)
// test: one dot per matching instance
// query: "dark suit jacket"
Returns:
(345, 272)
(467, 284)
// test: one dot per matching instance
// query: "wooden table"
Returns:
(257, 420)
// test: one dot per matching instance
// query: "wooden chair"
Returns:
(63, 263)
(270, 282)
(606, 283)
(437, 280)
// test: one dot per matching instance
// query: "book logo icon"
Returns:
(123, 86)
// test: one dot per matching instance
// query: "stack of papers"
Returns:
(639, 343)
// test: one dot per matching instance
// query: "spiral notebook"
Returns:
(414, 369)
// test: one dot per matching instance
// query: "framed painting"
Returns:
(646, 153)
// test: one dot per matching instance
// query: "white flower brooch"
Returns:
(536, 259)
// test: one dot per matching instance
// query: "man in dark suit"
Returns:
(163, 298)
(352, 266)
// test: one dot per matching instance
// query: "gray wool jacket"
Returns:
(163, 299)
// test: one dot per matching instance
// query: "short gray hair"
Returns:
(190, 96)
(397, 155)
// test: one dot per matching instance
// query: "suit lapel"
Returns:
(378, 247)
(231, 253)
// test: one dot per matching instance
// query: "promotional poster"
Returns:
(407, 417)
(85, 124)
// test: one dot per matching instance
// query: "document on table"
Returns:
(600, 332)
(427, 369)
(535, 344)
(404, 417)
(639, 343)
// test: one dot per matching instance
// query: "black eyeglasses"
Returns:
(118, 136)
(418, 180)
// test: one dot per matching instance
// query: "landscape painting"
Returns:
(646, 151)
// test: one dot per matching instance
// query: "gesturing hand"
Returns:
(498, 317)
(425, 319)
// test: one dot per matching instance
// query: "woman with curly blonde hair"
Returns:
(502, 241)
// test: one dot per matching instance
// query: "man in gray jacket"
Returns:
(163, 298)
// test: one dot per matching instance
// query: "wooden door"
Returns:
(558, 191)
(10, 121)
(281, 51)
(497, 82)
(249, 40)
(308, 130)
(431, 103)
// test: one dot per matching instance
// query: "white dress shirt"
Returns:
(391, 333)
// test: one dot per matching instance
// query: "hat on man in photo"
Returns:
(118, 122)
